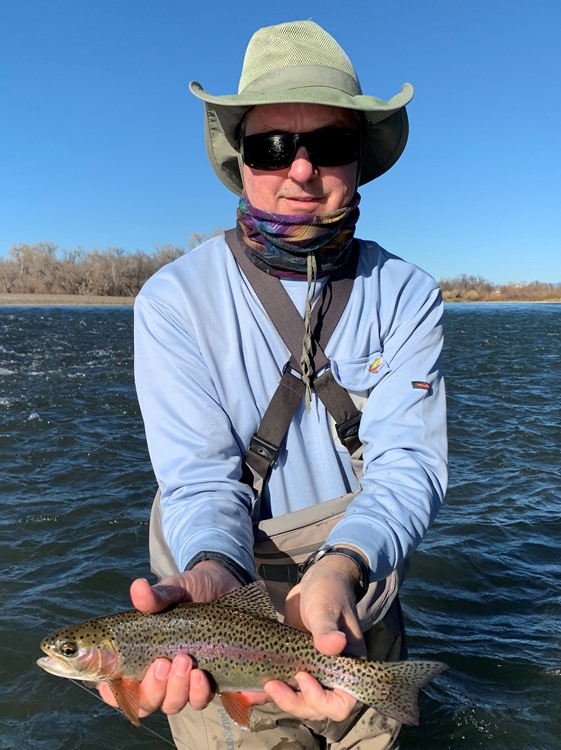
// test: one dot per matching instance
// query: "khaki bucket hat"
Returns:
(300, 62)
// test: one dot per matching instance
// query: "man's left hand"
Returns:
(323, 603)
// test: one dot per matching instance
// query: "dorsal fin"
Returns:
(252, 598)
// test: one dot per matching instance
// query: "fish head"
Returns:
(81, 653)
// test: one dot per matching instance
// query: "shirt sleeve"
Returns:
(403, 431)
(194, 452)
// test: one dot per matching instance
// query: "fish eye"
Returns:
(68, 648)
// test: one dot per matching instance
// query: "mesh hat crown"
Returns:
(299, 62)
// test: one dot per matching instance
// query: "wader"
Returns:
(283, 543)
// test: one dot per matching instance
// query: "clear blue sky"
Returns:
(101, 144)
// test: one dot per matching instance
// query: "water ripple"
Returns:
(483, 592)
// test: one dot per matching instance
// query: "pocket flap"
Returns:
(360, 374)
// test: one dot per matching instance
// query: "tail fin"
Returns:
(398, 688)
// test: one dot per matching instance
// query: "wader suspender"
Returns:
(284, 542)
(265, 444)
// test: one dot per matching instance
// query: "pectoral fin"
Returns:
(127, 695)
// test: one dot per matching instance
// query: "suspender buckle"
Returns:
(348, 429)
(266, 450)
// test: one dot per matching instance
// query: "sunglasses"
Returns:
(327, 147)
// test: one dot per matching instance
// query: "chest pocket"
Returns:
(360, 375)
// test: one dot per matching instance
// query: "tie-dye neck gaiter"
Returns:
(279, 244)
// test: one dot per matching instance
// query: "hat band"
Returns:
(303, 76)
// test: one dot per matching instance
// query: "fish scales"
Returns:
(238, 640)
(253, 649)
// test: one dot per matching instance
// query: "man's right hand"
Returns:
(170, 686)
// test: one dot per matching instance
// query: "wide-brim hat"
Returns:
(299, 62)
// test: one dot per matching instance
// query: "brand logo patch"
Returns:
(375, 365)
(421, 384)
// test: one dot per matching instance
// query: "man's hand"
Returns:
(170, 686)
(323, 603)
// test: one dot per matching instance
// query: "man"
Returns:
(295, 143)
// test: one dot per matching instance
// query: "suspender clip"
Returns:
(348, 429)
(266, 450)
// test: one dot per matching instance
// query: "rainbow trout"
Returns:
(239, 641)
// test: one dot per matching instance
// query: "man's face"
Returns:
(302, 187)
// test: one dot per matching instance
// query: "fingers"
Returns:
(201, 693)
(256, 698)
(153, 687)
(312, 702)
(168, 686)
(106, 694)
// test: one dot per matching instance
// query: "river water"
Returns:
(484, 592)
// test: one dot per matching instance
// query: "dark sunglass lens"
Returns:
(327, 147)
(333, 147)
(269, 152)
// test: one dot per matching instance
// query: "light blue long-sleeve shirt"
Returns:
(207, 362)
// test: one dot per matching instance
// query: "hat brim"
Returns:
(386, 135)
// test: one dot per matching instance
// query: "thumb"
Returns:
(337, 633)
(328, 638)
(148, 598)
(332, 643)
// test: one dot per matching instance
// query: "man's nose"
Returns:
(302, 169)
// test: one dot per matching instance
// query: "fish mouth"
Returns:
(55, 666)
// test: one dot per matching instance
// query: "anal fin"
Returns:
(238, 707)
